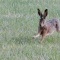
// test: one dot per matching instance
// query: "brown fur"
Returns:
(48, 27)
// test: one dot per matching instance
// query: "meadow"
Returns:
(19, 22)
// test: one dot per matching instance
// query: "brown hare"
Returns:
(47, 27)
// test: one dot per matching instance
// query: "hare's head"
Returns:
(42, 16)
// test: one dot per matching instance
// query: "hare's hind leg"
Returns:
(57, 27)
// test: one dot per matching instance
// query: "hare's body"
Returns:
(47, 27)
(51, 26)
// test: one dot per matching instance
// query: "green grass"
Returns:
(19, 22)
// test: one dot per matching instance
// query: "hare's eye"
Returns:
(42, 17)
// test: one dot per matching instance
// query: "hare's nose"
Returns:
(42, 24)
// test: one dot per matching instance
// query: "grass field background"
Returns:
(19, 22)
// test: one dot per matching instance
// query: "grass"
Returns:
(19, 22)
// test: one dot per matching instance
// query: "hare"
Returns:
(47, 27)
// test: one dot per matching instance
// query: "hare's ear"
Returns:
(45, 13)
(39, 12)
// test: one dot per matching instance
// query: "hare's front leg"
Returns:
(43, 36)
(36, 35)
